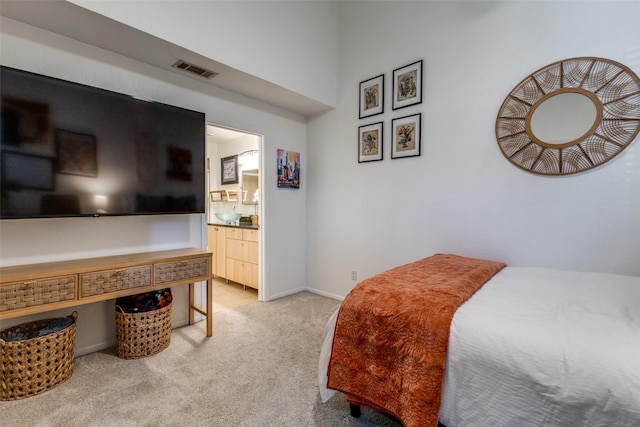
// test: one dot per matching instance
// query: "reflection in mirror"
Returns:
(563, 117)
(249, 186)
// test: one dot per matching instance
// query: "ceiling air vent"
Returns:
(202, 72)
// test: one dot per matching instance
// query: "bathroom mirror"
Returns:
(570, 116)
(249, 186)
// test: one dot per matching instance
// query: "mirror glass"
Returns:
(563, 118)
(249, 186)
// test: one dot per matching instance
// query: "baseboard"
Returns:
(105, 345)
(324, 294)
(285, 294)
(93, 348)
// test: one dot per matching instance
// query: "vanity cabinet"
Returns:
(242, 256)
(217, 241)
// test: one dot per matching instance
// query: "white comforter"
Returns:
(541, 347)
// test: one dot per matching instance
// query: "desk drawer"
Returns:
(37, 292)
(181, 270)
(103, 282)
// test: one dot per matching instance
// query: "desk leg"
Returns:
(192, 299)
(209, 307)
(208, 313)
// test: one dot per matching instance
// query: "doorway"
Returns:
(234, 186)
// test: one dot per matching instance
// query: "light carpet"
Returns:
(258, 369)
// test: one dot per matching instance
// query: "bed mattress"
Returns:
(541, 347)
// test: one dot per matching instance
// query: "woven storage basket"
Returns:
(32, 366)
(142, 334)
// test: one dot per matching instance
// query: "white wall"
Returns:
(461, 195)
(267, 39)
(30, 241)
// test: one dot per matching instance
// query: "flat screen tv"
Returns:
(70, 150)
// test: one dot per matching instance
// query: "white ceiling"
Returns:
(222, 134)
(83, 25)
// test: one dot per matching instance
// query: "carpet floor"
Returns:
(258, 369)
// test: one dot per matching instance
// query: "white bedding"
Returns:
(541, 347)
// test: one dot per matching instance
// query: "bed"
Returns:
(527, 347)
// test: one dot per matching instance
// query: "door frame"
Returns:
(262, 284)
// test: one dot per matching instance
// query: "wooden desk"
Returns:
(38, 288)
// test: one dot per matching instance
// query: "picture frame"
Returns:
(229, 170)
(288, 169)
(406, 136)
(76, 153)
(372, 97)
(407, 85)
(370, 142)
(24, 171)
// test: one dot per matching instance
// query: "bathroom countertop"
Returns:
(248, 226)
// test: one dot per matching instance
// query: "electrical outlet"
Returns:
(354, 275)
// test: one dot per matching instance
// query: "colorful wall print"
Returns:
(372, 96)
(406, 136)
(370, 142)
(288, 169)
(407, 85)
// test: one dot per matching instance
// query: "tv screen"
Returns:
(73, 150)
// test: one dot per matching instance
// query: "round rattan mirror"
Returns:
(570, 116)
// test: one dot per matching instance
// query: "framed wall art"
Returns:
(76, 153)
(288, 169)
(229, 170)
(406, 136)
(407, 85)
(370, 138)
(372, 96)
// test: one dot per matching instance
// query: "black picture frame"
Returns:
(371, 142)
(406, 139)
(407, 85)
(371, 99)
(229, 170)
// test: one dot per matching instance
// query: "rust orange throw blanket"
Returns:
(392, 332)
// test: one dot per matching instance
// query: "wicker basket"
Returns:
(142, 334)
(32, 366)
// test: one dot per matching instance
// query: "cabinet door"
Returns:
(251, 252)
(212, 247)
(251, 275)
(221, 252)
(242, 272)
(236, 249)
(234, 233)
(250, 235)
(234, 270)
(217, 245)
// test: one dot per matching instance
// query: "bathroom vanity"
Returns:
(235, 253)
